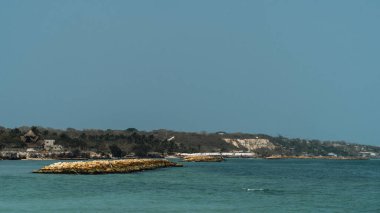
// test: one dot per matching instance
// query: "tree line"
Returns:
(141, 143)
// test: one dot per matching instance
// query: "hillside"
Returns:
(132, 141)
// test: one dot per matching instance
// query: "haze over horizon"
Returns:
(307, 69)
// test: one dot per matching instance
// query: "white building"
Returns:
(331, 154)
(49, 145)
(30, 150)
(367, 154)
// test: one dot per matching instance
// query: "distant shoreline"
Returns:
(316, 157)
(223, 155)
(47, 143)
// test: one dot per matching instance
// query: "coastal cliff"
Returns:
(251, 144)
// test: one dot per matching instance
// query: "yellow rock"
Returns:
(203, 158)
(106, 166)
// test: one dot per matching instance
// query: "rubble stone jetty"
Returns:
(106, 166)
(203, 158)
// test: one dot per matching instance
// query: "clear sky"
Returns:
(307, 69)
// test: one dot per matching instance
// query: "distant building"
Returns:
(29, 137)
(32, 141)
(332, 154)
(220, 133)
(30, 150)
(49, 145)
(368, 154)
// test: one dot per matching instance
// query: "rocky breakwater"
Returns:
(106, 166)
(202, 158)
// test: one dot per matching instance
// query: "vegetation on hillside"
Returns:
(160, 142)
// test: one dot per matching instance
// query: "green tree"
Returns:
(15, 132)
(264, 152)
(76, 153)
(141, 150)
(83, 136)
(64, 136)
(35, 130)
(131, 130)
(116, 151)
(45, 133)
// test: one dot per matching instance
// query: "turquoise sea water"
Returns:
(236, 185)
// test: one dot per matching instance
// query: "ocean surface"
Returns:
(236, 185)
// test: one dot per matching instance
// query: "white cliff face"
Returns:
(251, 144)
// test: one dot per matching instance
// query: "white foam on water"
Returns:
(258, 189)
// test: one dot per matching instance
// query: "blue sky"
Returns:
(307, 69)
